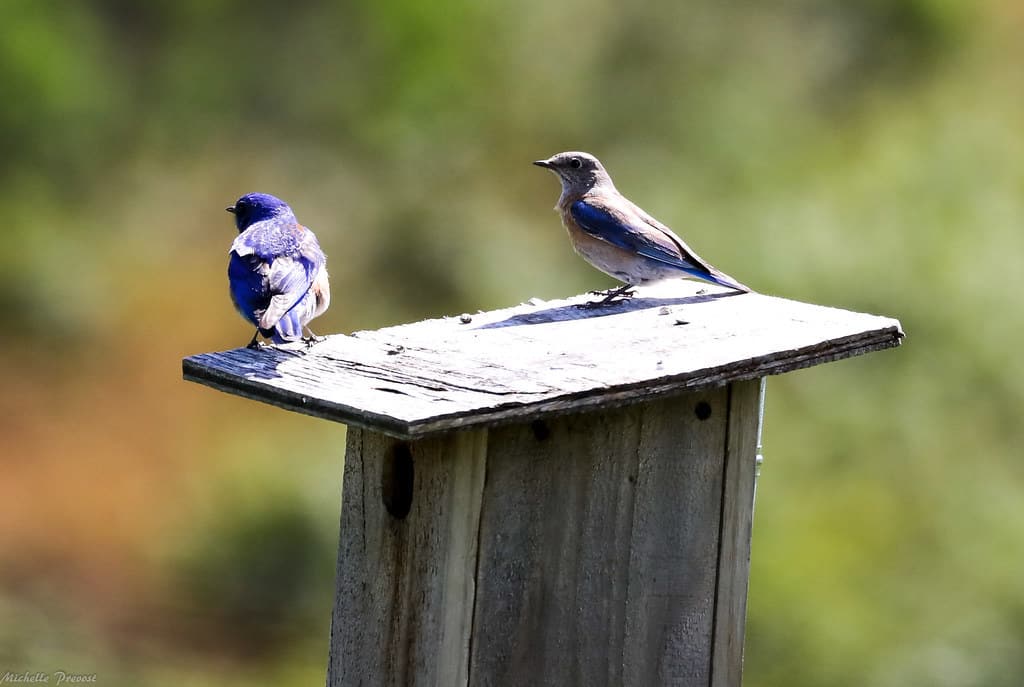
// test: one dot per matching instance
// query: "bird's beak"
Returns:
(546, 164)
(231, 209)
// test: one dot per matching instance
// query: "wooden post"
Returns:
(546, 495)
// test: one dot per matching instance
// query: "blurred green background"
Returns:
(865, 154)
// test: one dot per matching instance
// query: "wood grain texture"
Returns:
(555, 536)
(405, 587)
(674, 547)
(734, 541)
(543, 358)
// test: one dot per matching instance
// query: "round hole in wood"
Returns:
(703, 410)
(396, 481)
(541, 431)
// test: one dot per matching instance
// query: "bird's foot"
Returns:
(623, 292)
(312, 339)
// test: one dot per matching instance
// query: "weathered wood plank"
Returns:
(543, 358)
(599, 540)
(554, 551)
(734, 540)
(406, 585)
(670, 605)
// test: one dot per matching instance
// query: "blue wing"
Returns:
(618, 231)
(247, 277)
(290, 280)
(638, 233)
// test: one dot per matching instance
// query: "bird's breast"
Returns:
(606, 257)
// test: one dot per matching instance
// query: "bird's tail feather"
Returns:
(721, 278)
(288, 328)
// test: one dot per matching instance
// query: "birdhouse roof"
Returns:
(543, 357)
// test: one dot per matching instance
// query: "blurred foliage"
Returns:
(255, 575)
(866, 154)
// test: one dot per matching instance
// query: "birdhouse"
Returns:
(548, 494)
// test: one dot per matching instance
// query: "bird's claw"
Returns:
(312, 340)
(614, 299)
(625, 294)
(622, 292)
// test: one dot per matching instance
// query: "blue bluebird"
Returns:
(277, 272)
(616, 236)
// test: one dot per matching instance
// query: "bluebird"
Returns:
(616, 236)
(277, 272)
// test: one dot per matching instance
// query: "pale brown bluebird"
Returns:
(616, 236)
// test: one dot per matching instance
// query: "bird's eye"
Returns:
(575, 163)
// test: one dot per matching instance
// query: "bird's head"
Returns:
(256, 207)
(578, 172)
